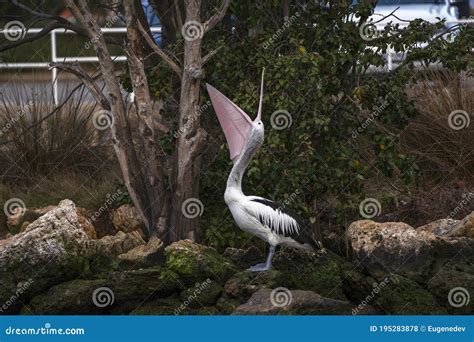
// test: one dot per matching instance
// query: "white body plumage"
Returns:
(247, 212)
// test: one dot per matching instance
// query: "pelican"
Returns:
(261, 217)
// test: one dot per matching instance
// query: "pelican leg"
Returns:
(266, 265)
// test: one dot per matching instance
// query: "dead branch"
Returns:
(151, 43)
(217, 17)
(87, 80)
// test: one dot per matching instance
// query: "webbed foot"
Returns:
(260, 267)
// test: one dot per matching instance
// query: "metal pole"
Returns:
(389, 59)
(54, 71)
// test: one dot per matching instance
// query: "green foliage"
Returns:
(316, 69)
(123, 196)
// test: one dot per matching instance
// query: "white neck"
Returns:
(234, 181)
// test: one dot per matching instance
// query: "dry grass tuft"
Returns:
(442, 152)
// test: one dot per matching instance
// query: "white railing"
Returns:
(391, 54)
(56, 58)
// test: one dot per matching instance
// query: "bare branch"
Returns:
(46, 30)
(175, 67)
(178, 16)
(80, 73)
(217, 17)
(211, 54)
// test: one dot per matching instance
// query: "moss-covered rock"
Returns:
(403, 296)
(243, 284)
(453, 287)
(171, 306)
(244, 258)
(305, 270)
(70, 298)
(55, 247)
(133, 287)
(201, 294)
(295, 302)
(227, 305)
(196, 263)
(356, 285)
(129, 290)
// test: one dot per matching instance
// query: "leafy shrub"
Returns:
(316, 71)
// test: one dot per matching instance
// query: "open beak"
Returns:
(235, 123)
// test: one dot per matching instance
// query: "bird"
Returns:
(266, 219)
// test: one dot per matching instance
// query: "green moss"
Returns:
(171, 306)
(72, 297)
(306, 271)
(403, 296)
(196, 263)
(202, 294)
(242, 285)
(227, 305)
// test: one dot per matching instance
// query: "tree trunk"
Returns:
(192, 138)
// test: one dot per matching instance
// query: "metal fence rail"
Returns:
(54, 56)
(391, 55)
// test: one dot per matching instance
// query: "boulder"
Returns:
(118, 293)
(196, 263)
(357, 286)
(132, 288)
(73, 297)
(403, 296)
(126, 219)
(465, 227)
(119, 243)
(281, 301)
(395, 247)
(171, 306)
(147, 255)
(244, 258)
(201, 295)
(242, 285)
(305, 270)
(55, 248)
(441, 227)
(453, 287)
(19, 221)
(52, 249)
